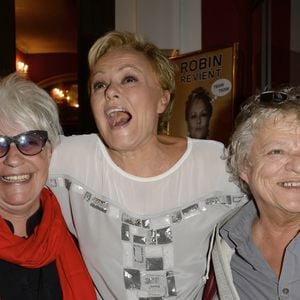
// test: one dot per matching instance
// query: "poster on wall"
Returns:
(205, 93)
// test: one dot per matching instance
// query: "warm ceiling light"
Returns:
(58, 93)
(21, 67)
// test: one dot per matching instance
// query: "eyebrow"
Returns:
(121, 68)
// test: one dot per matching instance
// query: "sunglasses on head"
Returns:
(28, 143)
(273, 97)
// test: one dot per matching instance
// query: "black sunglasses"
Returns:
(273, 97)
(28, 143)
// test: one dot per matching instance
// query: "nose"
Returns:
(14, 157)
(293, 164)
(112, 91)
(199, 120)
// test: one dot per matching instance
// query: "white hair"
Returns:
(24, 105)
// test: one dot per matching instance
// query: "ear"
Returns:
(164, 101)
(245, 173)
(48, 149)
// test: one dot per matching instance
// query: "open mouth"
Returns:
(118, 117)
(291, 184)
(15, 178)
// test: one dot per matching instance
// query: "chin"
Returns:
(120, 145)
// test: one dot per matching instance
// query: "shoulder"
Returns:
(209, 156)
(75, 150)
(207, 147)
(206, 143)
(72, 139)
(77, 142)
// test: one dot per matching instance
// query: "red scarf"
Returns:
(50, 241)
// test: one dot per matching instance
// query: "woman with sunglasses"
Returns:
(141, 204)
(38, 256)
(257, 250)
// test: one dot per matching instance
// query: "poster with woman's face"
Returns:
(205, 91)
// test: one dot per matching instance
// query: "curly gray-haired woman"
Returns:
(256, 254)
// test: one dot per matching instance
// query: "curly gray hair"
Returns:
(251, 118)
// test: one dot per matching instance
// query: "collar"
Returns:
(32, 221)
(237, 230)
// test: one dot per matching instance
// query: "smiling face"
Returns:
(22, 179)
(273, 173)
(198, 120)
(126, 99)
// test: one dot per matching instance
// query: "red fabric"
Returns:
(210, 288)
(50, 241)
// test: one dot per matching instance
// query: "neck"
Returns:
(272, 238)
(151, 160)
(19, 219)
(20, 228)
(282, 230)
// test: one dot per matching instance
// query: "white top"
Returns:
(143, 238)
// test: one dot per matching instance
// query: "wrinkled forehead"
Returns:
(282, 120)
(276, 131)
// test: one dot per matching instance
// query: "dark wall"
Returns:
(44, 66)
(281, 41)
(8, 37)
(96, 17)
(226, 22)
